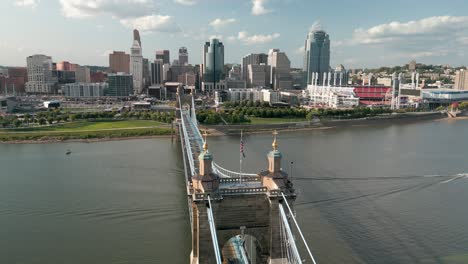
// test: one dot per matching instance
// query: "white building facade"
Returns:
(84, 89)
(40, 80)
(136, 66)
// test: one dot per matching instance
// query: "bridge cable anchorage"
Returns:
(298, 229)
(214, 237)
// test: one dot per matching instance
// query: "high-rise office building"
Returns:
(183, 56)
(40, 79)
(157, 72)
(213, 61)
(136, 65)
(163, 55)
(316, 54)
(461, 80)
(254, 59)
(258, 75)
(119, 84)
(146, 73)
(119, 61)
(280, 70)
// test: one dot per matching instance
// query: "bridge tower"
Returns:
(246, 205)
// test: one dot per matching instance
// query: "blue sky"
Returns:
(364, 33)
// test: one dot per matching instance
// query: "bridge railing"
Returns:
(243, 191)
(239, 180)
(187, 145)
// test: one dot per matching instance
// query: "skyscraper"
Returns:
(316, 54)
(280, 70)
(213, 61)
(254, 59)
(258, 75)
(163, 55)
(119, 61)
(157, 72)
(183, 56)
(136, 63)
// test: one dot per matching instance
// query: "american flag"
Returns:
(242, 146)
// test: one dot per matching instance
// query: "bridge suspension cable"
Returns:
(214, 237)
(298, 229)
(292, 254)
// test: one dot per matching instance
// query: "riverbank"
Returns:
(128, 133)
(325, 123)
(86, 132)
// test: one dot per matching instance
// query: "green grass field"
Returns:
(91, 126)
(88, 130)
(267, 121)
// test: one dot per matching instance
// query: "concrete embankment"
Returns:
(326, 123)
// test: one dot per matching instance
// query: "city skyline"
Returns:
(430, 32)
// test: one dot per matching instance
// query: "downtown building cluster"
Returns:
(268, 76)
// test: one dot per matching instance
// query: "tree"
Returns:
(50, 120)
(42, 121)
(17, 123)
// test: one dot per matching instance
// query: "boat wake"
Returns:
(456, 177)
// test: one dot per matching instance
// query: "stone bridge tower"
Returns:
(247, 206)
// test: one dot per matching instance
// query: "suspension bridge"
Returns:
(237, 217)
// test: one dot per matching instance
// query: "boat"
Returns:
(68, 152)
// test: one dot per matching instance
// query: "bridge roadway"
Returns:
(235, 201)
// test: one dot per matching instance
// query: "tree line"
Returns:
(241, 112)
(59, 116)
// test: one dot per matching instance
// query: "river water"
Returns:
(380, 194)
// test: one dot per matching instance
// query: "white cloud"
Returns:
(216, 37)
(114, 8)
(256, 39)
(105, 53)
(186, 2)
(428, 29)
(299, 51)
(258, 7)
(27, 3)
(315, 26)
(139, 14)
(219, 22)
(151, 23)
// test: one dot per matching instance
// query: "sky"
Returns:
(365, 33)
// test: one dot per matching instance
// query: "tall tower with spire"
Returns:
(136, 62)
(206, 181)
(275, 178)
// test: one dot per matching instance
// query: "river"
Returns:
(380, 194)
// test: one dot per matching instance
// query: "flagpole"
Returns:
(240, 158)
